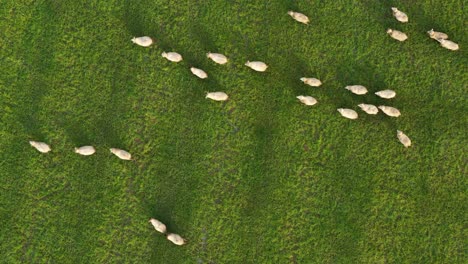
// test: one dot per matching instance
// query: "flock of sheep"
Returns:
(260, 66)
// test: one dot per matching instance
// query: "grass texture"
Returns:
(260, 178)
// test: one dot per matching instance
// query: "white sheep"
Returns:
(217, 96)
(400, 16)
(217, 57)
(40, 146)
(311, 81)
(356, 89)
(85, 150)
(256, 65)
(404, 139)
(368, 108)
(307, 100)
(390, 111)
(299, 17)
(176, 239)
(387, 94)
(122, 154)
(398, 35)
(348, 113)
(143, 41)
(437, 35)
(448, 44)
(158, 225)
(172, 56)
(199, 73)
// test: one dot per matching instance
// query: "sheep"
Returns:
(307, 100)
(217, 57)
(386, 94)
(400, 16)
(85, 150)
(299, 17)
(448, 44)
(348, 113)
(158, 225)
(357, 89)
(176, 239)
(404, 139)
(199, 73)
(311, 81)
(398, 35)
(40, 146)
(368, 108)
(390, 111)
(122, 154)
(256, 65)
(142, 41)
(437, 35)
(217, 96)
(172, 56)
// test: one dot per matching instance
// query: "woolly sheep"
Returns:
(348, 113)
(85, 150)
(448, 44)
(400, 16)
(404, 139)
(176, 239)
(390, 111)
(217, 96)
(40, 146)
(357, 89)
(142, 41)
(398, 35)
(307, 100)
(122, 154)
(217, 57)
(437, 35)
(368, 108)
(158, 225)
(172, 56)
(299, 17)
(199, 73)
(387, 94)
(256, 65)
(311, 81)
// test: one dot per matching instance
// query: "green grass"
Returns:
(257, 179)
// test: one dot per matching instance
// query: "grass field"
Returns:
(257, 179)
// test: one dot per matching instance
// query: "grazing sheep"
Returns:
(217, 96)
(387, 94)
(448, 44)
(172, 56)
(437, 35)
(357, 89)
(299, 17)
(256, 65)
(311, 81)
(348, 113)
(158, 225)
(390, 111)
(40, 146)
(217, 57)
(404, 139)
(307, 100)
(199, 73)
(368, 108)
(85, 150)
(142, 41)
(176, 239)
(400, 16)
(122, 154)
(398, 35)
